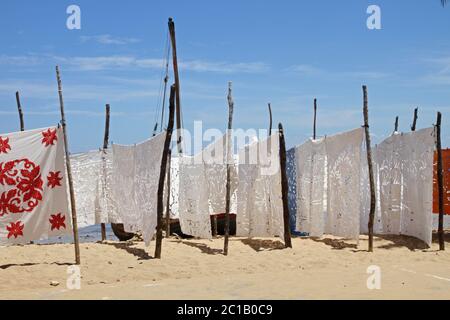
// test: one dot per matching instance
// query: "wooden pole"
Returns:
(69, 170)
(369, 160)
(413, 126)
(270, 120)
(105, 146)
(284, 188)
(19, 107)
(177, 82)
(396, 124)
(440, 183)
(169, 160)
(162, 174)
(315, 119)
(229, 161)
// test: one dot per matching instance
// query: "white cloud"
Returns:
(98, 63)
(22, 60)
(308, 70)
(109, 39)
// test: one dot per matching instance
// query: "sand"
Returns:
(327, 268)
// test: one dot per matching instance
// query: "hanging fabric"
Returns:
(311, 180)
(33, 187)
(417, 170)
(389, 162)
(86, 169)
(214, 159)
(193, 199)
(343, 186)
(260, 206)
(135, 184)
(405, 163)
(105, 204)
(328, 185)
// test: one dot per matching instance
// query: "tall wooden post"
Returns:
(396, 124)
(69, 170)
(315, 119)
(270, 120)
(105, 146)
(284, 188)
(440, 183)
(19, 108)
(169, 161)
(229, 159)
(162, 174)
(177, 83)
(371, 177)
(413, 126)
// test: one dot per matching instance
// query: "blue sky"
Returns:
(283, 52)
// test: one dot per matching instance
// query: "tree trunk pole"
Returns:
(162, 174)
(229, 158)
(369, 161)
(270, 120)
(440, 183)
(105, 146)
(315, 119)
(284, 188)
(396, 124)
(169, 160)
(413, 126)
(19, 108)
(177, 82)
(69, 170)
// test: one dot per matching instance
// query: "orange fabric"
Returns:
(446, 170)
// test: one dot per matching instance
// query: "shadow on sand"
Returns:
(336, 244)
(202, 247)
(263, 245)
(7, 266)
(141, 254)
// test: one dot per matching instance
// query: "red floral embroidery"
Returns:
(7, 172)
(54, 179)
(49, 137)
(4, 145)
(31, 184)
(24, 186)
(8, 202)
(57, 221)
(15, 229)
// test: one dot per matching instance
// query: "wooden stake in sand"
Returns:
(413, 126)
(315, 119)
(270, 120)
(19, 108)
(229, 158)
(162, 174)
(396, 124)
(440, 183)
(105, 147)
(177, 82)
(69, 171)
(369, 161)
(169, 164)
(284, 189)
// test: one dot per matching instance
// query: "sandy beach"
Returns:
(327, 268)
